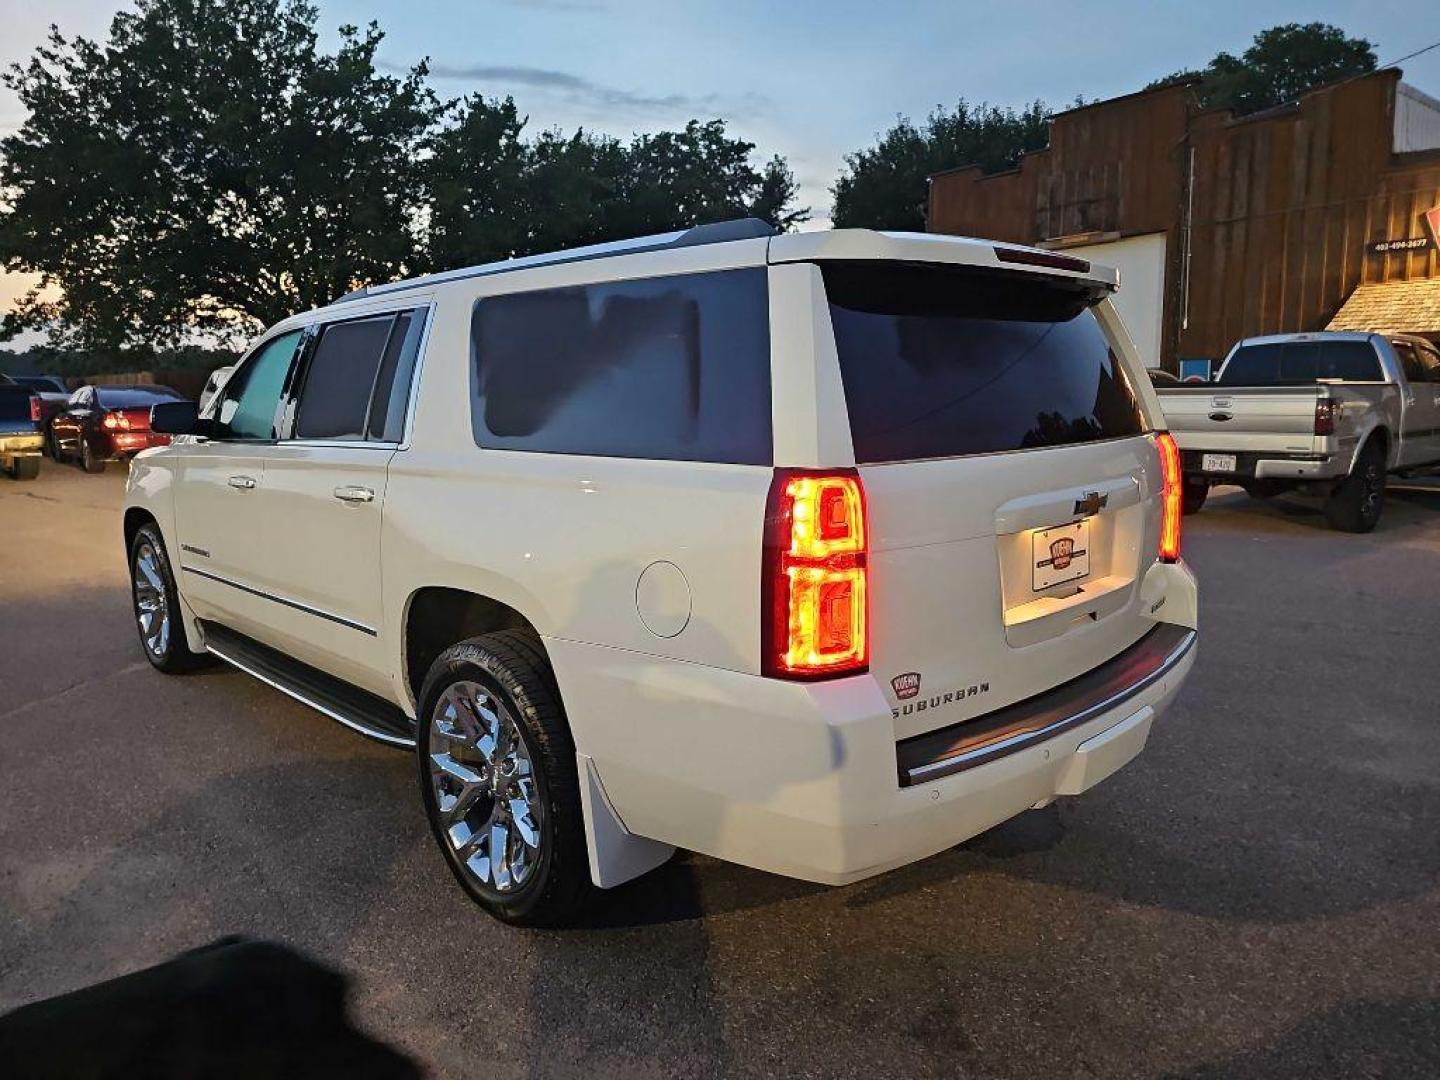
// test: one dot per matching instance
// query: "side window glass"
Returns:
(1414, 371)
(1430, 359)
(392, 384)
(251, 397)
(670, 368)
(341, 376)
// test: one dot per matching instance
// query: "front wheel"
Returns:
(1355, 503)
(157, 605)
(499, 782)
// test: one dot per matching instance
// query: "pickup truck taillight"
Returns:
(34, 409)
(1170, 497)
(1327, 411)
(114, 421)
(814, 576)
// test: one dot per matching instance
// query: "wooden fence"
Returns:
(187, 381)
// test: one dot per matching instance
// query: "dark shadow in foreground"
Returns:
(233, 1008)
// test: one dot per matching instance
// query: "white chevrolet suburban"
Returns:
(819, 553)
(1330, 414)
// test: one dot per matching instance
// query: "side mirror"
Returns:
(180, 418)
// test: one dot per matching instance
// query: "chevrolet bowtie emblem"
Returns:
(1091, 504)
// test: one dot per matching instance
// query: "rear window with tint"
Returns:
(672, 368)
(134, 397)
(1295, 363)
(941, 362)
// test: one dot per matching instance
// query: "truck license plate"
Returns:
(1218, 462)
(1060, 554)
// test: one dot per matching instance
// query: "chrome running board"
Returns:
(358, 710)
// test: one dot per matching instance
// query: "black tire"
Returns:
(52, 447)
(26, 468)
(1192, 496)
(1355, 503)
(88, 461)
(173, 656)
(511, 666)
(1264, 489)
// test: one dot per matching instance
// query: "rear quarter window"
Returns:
(670, 368)
(947, 361)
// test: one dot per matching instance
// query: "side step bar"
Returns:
(373, 717)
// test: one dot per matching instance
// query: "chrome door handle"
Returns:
(244, 483)
(354, 494)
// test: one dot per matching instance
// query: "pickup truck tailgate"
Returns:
(1261, 419)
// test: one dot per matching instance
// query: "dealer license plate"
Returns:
(1218, 462)
(1060, 554)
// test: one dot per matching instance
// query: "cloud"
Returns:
(579, 91)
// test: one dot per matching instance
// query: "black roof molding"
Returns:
(718, 232)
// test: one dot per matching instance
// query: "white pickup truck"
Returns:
(1331, 414)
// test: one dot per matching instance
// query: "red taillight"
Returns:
(1327, 411)
(114, 421)
(1170, 497)
(34, 409)
(815, 575)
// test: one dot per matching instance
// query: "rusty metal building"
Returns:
(1318, 214)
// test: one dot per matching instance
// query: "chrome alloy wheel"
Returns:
(485, 787)
(152, 608)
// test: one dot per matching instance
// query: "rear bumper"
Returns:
(132, 442)
(1250, 465)
(804, 779)
(26, 445)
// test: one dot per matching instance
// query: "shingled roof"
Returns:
(1411, 306)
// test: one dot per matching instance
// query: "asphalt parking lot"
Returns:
(1257, 895)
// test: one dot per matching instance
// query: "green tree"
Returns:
(207, 169)
(1280, 65)
(887, 186)
(492, 194)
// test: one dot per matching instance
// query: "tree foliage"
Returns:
(207, 163)
(492, 194)
(209, 170)
(886, 186)
(1280, 65)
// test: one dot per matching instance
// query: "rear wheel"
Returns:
(157, 605)
(498, 779)
(1264, 489)
(1192, 496)
(52, 447)
(1355, 503)
(88, 460)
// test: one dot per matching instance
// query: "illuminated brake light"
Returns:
(815, 576)
(115, 422)
(1170, 497)
(34, 409)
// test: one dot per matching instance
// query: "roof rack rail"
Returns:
(718, 232)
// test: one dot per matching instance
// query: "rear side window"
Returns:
(1295, 363)
(253, 395)
(941, 362)
(357, 381)
(673, 368)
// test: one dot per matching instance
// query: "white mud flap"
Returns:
(616, 854)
